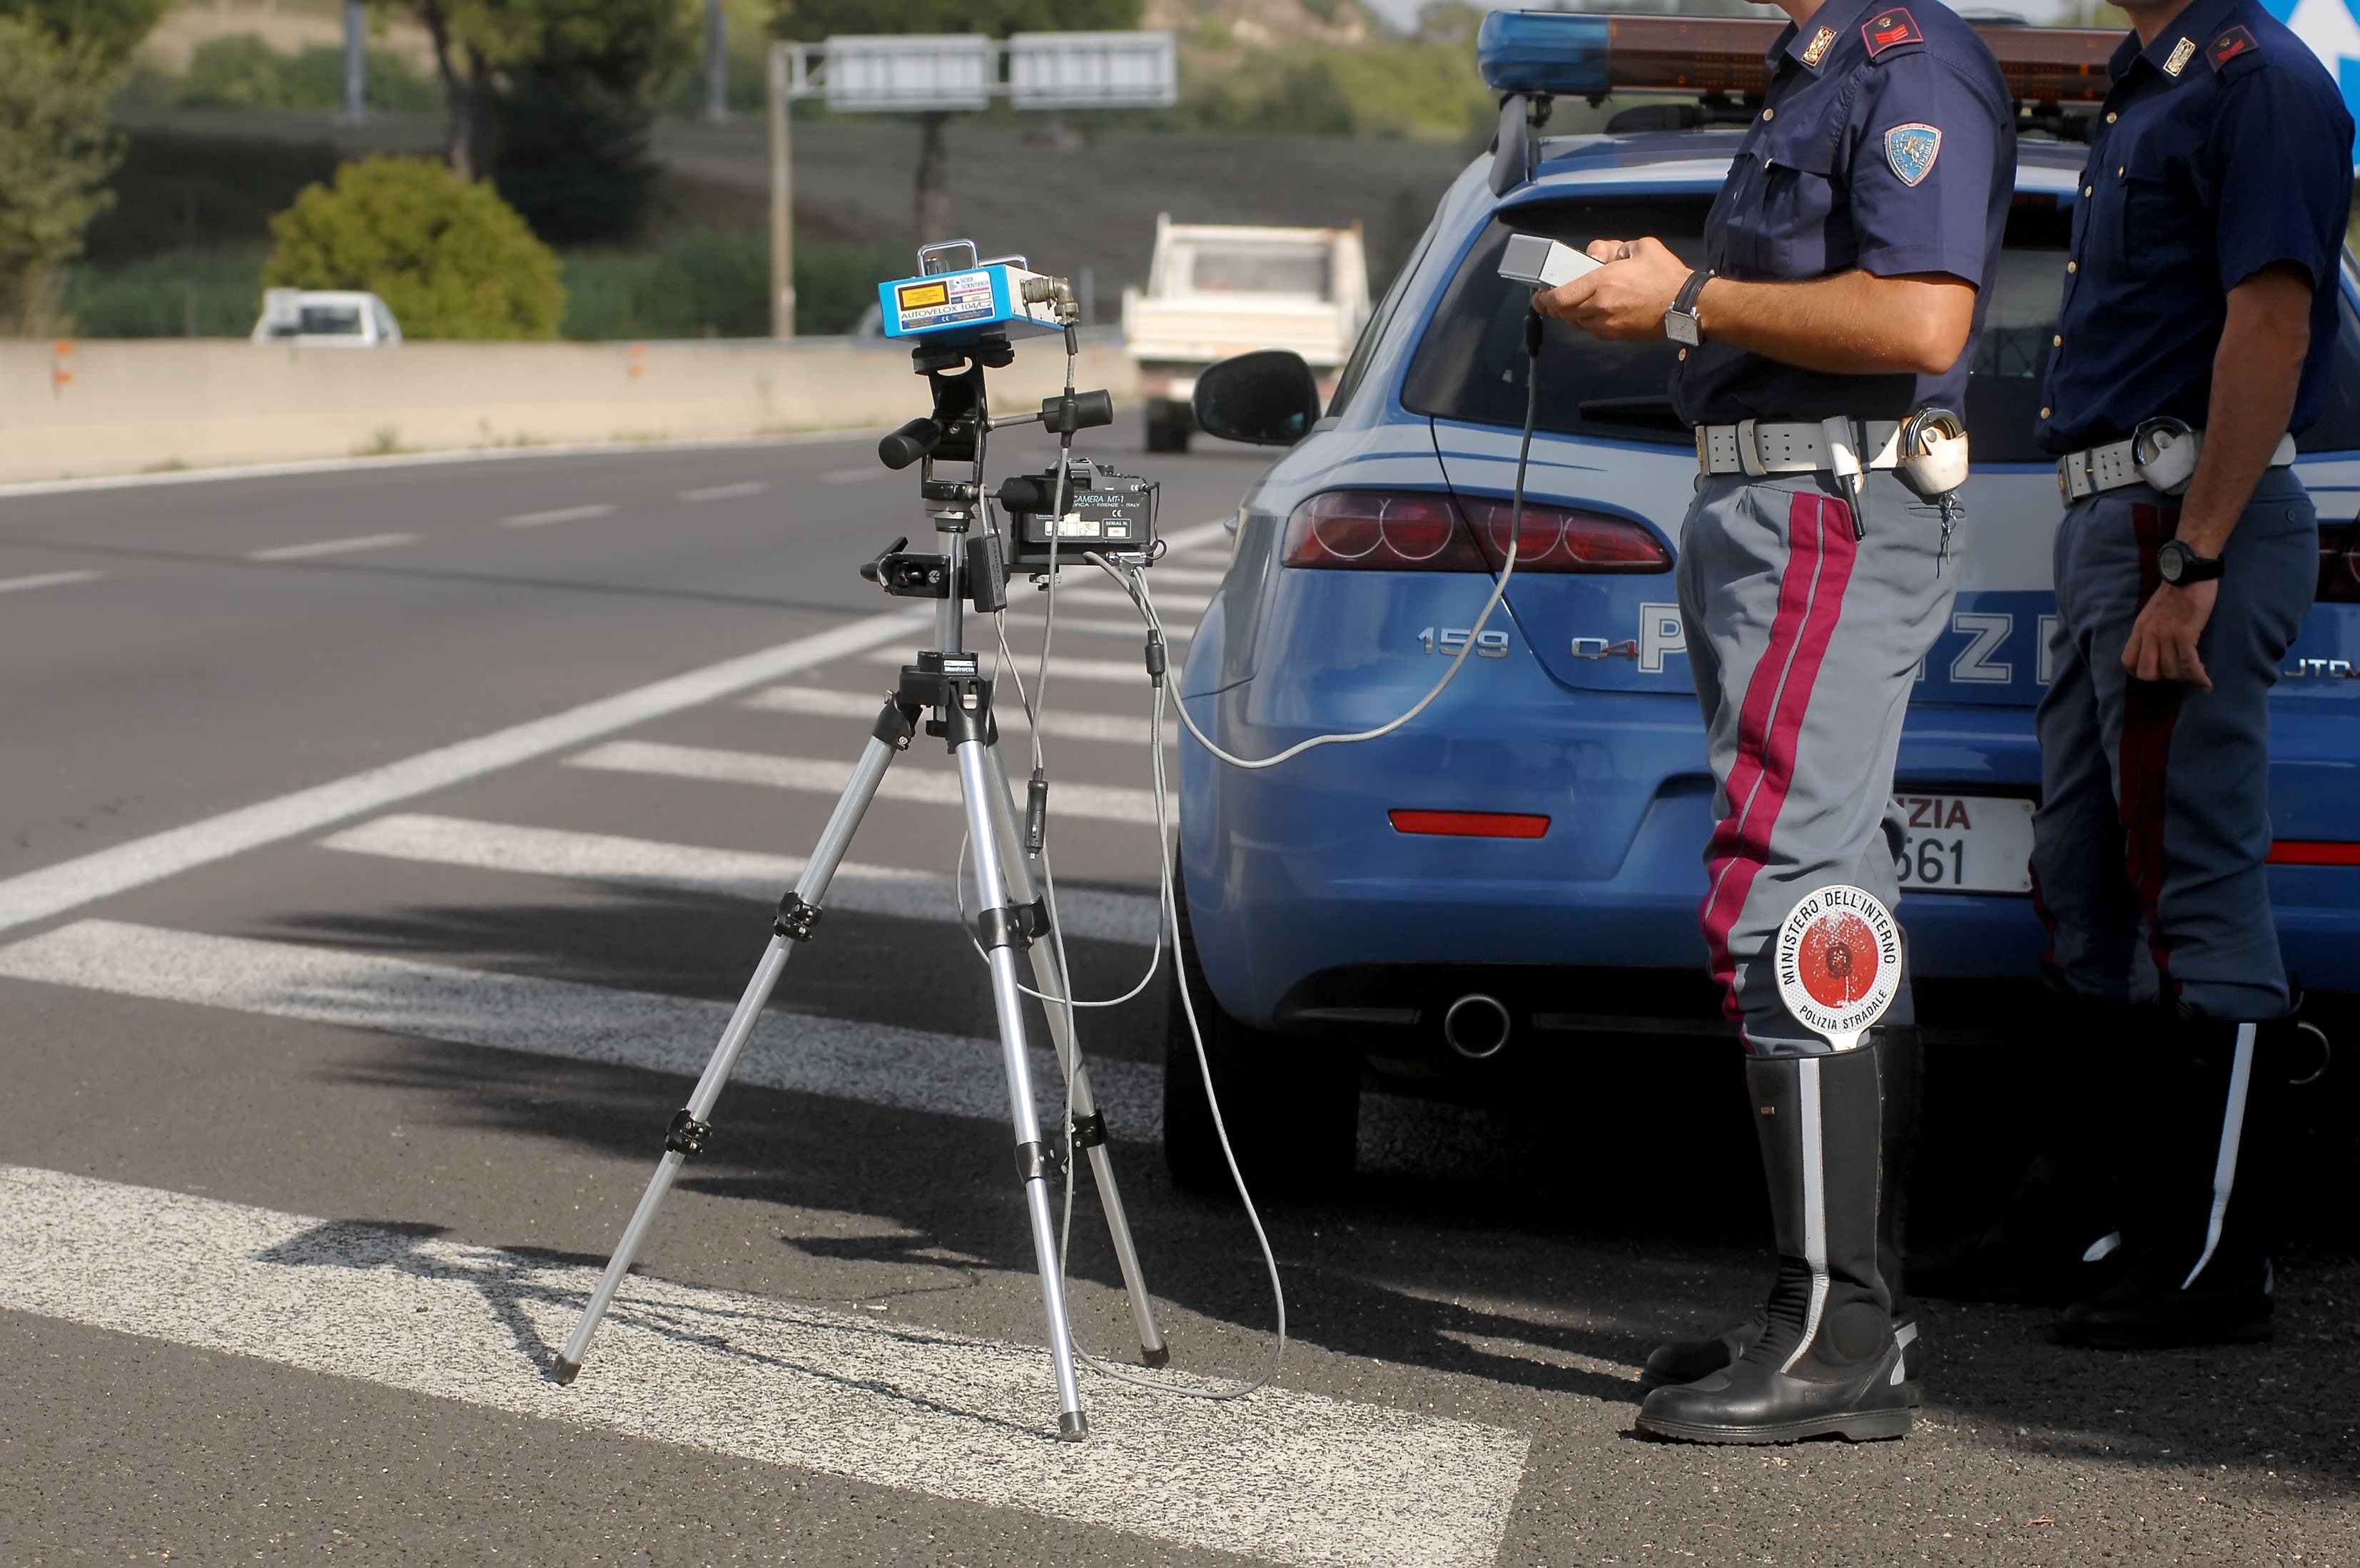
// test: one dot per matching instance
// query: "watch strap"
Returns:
(1684, 302)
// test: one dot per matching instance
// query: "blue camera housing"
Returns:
(965, 305)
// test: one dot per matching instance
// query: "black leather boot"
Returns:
(2051, 1242)
(2202, 1188)
(1684, 1361)
(1826, 1363)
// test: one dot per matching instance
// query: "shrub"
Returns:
(243, 71)
(165, 296)
(450, 257)
(55, 150)
(718, 285)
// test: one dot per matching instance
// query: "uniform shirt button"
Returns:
(2112, 116)
(2044, 413)
(1684, 354)
(2089, 190)
(2056, 342)
(2121, 170)
(1769, 114)
(2073, 267)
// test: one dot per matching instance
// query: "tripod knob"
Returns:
(874, 570)
(910, 443)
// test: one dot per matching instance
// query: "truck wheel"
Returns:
(1292, 1108)
(1168, 424)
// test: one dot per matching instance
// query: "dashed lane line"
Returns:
(802, 1053)
(923, 785)
(54, 890)
(857, 888)
(332, 547)
(727, 492)
(1286, 1476)
(558, 514)
(826, 702)
(46, 580)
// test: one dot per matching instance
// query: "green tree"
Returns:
(109, 28)
(564, 88)
(808, 21)
(57, 147)
(450, 257)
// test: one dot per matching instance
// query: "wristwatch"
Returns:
(1680, 322)
(2178, 565)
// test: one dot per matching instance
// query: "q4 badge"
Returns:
(1911, 149)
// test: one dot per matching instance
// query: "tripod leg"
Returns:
(1089, 1128)
(798, 913)
(1003, 930)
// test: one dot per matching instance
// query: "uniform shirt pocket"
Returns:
(2162, 221)
(1802, 205)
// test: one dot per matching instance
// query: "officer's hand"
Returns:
(1624, 300)
(2163, 640)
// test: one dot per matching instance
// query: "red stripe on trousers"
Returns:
(2151, 708)
(1820, 555)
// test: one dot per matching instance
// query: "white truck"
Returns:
(1216, 289)
(325, 318)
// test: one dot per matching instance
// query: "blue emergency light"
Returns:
(1552, 52)
(962, 303)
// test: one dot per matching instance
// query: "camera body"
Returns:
(1106, 513)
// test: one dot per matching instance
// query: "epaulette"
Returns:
(2235, 44)
(1891, 30)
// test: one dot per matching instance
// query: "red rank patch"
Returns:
(1887, 29)
(2229, 46)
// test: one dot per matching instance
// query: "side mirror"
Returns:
(1269, 397)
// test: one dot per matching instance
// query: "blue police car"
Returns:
(1516, 873)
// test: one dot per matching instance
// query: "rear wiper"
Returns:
(1647, 413)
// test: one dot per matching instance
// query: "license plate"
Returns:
(1964, 843)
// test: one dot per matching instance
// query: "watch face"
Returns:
(1681, 327)
(2170, 561)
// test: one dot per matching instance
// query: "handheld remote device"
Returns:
(1543, 263)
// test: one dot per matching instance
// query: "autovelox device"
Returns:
(957, 299)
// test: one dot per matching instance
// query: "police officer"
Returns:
(1847, 262)
(2196, 334)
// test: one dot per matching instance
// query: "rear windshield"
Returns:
(1471, 364)
(1260, 269)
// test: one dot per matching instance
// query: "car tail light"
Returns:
(1470, 824)
(2313, 852)
(2339, 563)
(1426, 530)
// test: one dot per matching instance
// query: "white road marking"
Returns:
(802, 1053)
(1130, 672)
(1186, 576)
(332, 547)
(1181, 603)
(855, 475)
(1197, 536)
(54, 890)
(726, 492)
(1115, 728)
(1285, 1477)
(925, 786)
(1173, 631)
(736, 873)
(45, 580)
(560, 514)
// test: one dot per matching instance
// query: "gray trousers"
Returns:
(2154, 828)
(1805, 643)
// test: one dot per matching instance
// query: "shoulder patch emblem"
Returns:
(2229, 46)
(2181, 53)
(1817, 50)
(1911, 149)
(1888, 29)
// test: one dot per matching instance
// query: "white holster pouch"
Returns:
(2161, 454)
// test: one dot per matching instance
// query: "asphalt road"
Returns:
(380, 850)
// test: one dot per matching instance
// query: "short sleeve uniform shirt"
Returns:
(1886, 143)
(2222, 148)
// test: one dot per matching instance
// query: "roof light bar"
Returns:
(1558, 54)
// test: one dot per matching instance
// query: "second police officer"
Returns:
(2196, 337)
(1847, 262)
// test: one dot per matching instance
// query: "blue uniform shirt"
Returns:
(2223, 147)
(1886, 143)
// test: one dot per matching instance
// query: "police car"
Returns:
(1516, 873)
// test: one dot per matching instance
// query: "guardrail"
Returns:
(127, 406)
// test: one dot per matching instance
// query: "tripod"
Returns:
(1014, 918)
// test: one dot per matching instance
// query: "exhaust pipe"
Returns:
(1476, 1026)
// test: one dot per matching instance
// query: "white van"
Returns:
(323, 318)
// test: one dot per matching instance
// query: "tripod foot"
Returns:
(562, 1371)
(1158, 1355)
(1072, 1426)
